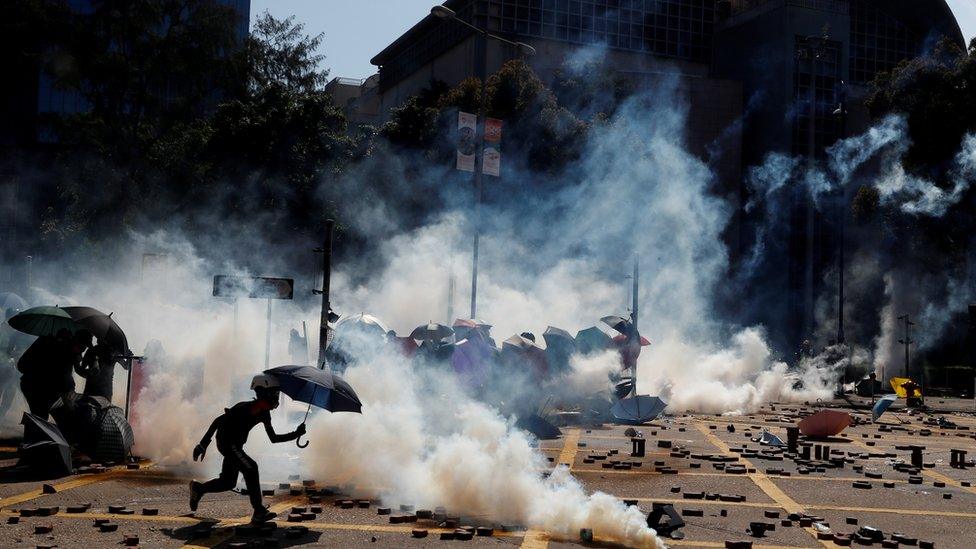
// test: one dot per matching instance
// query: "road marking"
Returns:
(914, 512)
(929, 473)
(762, 481)
(67, 485)
(570, 447)
(537, 539)
(534, 539)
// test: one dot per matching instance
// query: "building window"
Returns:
(878, 41)
(816, 79)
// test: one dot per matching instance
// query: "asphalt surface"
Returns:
(699, 474)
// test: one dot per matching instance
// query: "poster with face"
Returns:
(467, 132)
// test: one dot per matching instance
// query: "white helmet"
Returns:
(264, 381)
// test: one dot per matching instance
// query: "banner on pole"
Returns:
(467, 134)
(492, 159)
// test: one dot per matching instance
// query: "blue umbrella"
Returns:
(882, 405)
(638, 409)
(320, 388)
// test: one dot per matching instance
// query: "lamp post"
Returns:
(841, 116)
(446, 13)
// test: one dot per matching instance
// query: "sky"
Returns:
(356, 30)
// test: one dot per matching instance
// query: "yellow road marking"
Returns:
(570, 447)
(67, 485)
(537, 539)
(534, 539)
(761, 480)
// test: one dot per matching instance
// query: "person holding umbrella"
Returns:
(232, 429)
(46, 367)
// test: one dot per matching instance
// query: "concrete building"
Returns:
(359, 99)
(749, 70)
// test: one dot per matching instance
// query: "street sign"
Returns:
(255, 287)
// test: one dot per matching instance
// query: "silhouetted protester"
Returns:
(297, 348)
(232, 429)
(47, 366)
(98, 369)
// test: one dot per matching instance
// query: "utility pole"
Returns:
(326, 251)
(481, 54)
(634, 334)
(841, 115)
(907, 342)
(450, 295)
(479, 159)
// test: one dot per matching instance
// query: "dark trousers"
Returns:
(39, 397)
(236, 462)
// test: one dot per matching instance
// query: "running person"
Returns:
(232, 429)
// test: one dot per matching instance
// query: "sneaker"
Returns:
(196, 492)
(262, 515)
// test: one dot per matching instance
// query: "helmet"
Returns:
(264, 381)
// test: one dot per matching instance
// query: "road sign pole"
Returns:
(326, 279)
(267, 340)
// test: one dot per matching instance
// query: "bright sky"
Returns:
(356, 30)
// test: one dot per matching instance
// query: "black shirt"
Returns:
(238, 421)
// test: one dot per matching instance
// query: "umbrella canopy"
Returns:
(560, 346)
(592, 340)
(11, 301)
(882, 405)
(319, 388)
(768, 439)
(825, 423)
(558, 336)
(45, 449)
(470, 323)
(43, 321)
(902, 385)
(472, 361)
(362, 321)
(113, 436)
(518, 351)
(540, 427)
(622, 339)
(638, 409)
(102, 326)
(431, 332)
(618, 323)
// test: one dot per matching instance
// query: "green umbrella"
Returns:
(43, 321)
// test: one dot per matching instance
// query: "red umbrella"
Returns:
(825, 423)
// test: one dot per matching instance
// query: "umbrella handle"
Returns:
(298, 442)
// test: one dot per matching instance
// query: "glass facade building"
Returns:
(879, 41)
(675, 29)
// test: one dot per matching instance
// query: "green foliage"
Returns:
(278, 53)
(936, 92)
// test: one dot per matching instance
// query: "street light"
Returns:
(443, 12)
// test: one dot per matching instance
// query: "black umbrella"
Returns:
(431, 332)
(321, 388)
(44, 448)
(102, 326)
(620, 324)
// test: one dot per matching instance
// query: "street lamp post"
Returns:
(444, 12)
(841, 115)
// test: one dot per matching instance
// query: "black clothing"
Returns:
(232, 429)
(236, 462)
(98, 369)
(51, 361)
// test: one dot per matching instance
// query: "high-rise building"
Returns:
(35, 96)
(758, 76)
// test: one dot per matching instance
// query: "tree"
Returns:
(935, 91)
(278, 53)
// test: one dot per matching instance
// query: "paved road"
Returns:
(941, 509)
